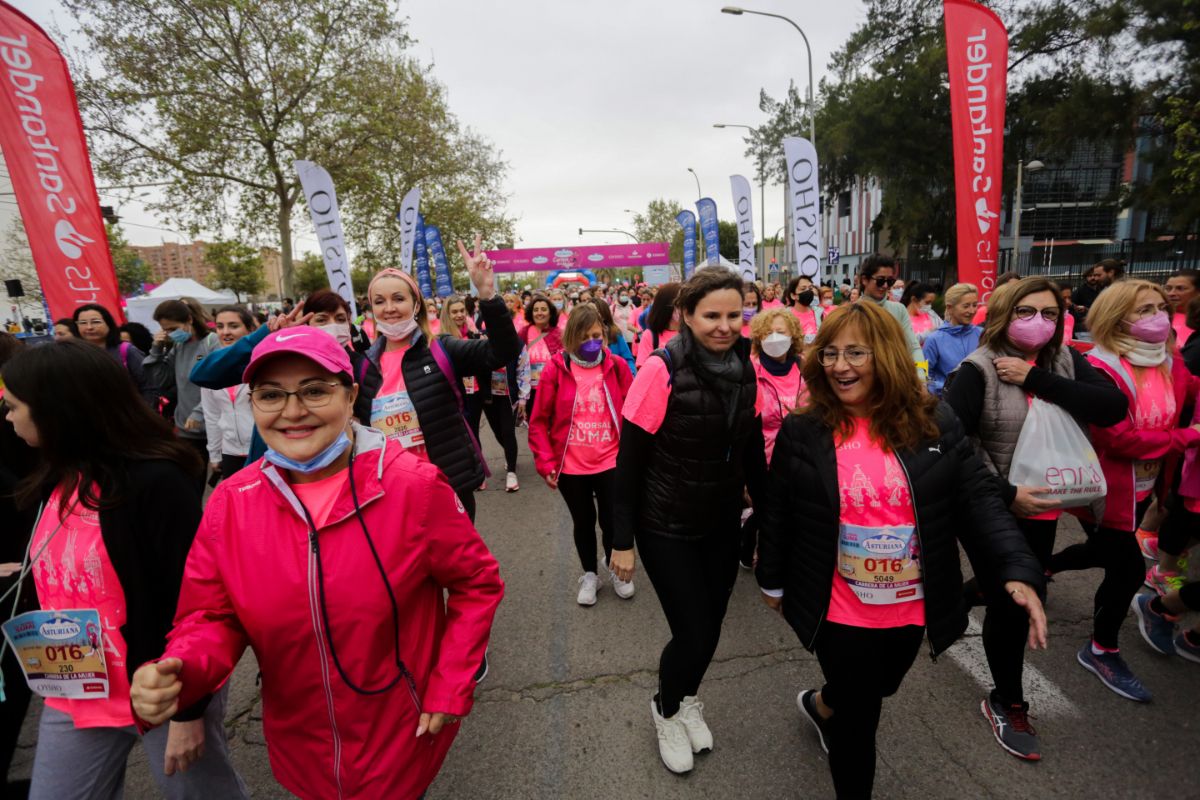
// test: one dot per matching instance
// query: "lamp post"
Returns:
(762, 202)
(737, 12)
(1032, 166)
(699, 194)
(582, 231)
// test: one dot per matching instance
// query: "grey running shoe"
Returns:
(1010, 726)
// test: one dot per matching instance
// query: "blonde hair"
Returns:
(420, 313)
(1107, 315)
(761, 327)
(957, 292)
(448, 323)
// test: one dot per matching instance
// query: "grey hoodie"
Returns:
(167, 366)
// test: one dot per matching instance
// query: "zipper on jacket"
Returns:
(313, 591)
(912, 495)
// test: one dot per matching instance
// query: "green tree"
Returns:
(132, 272)
(236, 267)
(311, 275)
(727, 240)
(217, 98)
(657, 223)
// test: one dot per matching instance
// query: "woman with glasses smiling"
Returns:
(871, 488)
(1021, 356)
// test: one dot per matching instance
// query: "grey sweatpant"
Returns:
(89, 763)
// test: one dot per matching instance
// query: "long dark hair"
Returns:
(541, 298)
(113, 338)
(90, 422)
(662, 307)
(184, 313)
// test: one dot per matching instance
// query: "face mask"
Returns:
(318, 462)
(924, 308)
(590, 350)
(1031, 334)
(1152, 330)
(180, 335)
(897, 293)
(777, 345)
(397, 331)
(338, 330)
(558, 304)
(804, 299)
(748, 314)
(623, 301)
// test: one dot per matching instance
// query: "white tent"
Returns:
(141, 309)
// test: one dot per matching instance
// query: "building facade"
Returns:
(176, 260)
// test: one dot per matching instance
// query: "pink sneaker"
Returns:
(1148, 544)
(1163, 582)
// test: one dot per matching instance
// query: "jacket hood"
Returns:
(958, 330)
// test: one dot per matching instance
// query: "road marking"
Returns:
(1044, 697)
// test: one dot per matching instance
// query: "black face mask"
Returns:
(804, 298)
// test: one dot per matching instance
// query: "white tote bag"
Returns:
(1052, 451)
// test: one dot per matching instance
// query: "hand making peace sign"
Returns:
(479, 267)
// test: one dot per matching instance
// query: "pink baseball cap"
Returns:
(312, 343)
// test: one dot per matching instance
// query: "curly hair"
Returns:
(763, 324)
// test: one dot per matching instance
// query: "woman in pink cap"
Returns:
(359, 699)
(412, 379)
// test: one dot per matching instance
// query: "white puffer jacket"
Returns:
(228, 421)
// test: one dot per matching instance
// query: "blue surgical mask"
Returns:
(180, 335)
(318, 462)
(558, 304)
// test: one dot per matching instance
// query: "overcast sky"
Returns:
(599, 106)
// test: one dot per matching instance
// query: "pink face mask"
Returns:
(1152, 330)
(1030, 335)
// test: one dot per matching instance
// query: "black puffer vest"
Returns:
(695, 473)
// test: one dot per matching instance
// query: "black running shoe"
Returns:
(1010, 726)
(806, 700)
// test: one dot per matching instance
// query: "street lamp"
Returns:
(699, 194)
(737, 12)
(762, 186)
(582, 231)
(1032, 166)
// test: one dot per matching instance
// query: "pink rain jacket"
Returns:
(251, 579)
(550, 421)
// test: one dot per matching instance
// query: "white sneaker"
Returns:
(510, 482)
(673, 745)
(624, 589)
(588, 585)
(691, 713)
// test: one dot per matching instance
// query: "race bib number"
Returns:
(61, 653)
(470, 384)
(395, 415)
(535, 372)
(881, 565)
(1145, 473)
(500, 383)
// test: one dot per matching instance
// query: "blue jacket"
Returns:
(946, 348)
(620, 348)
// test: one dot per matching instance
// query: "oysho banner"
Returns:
(41, 136)
(804, 200)
(433, 241)
(706, 207)
(409, 208)
(745, 226)
(323, 209)
(421, 253)
(977, 52)
(687, 221)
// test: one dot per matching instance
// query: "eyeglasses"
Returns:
(316, 394)
(1147, 311)
(1029, 312)
(855, 356)
(882, 282)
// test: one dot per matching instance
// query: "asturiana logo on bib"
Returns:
(59, 628)
(884, 544)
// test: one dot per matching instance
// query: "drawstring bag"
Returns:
(1052, 451)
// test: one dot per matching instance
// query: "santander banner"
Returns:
(607, 256)
(977, 51)
(41, 135)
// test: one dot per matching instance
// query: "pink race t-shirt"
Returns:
(980, 315)
(539, 357)
(808, 321)
(646, 402)
(777, 396)
(392, 410)
(877, 582)
(921, 323)
(1068, 327)
(74, 571)
(1180, 326)
(592, 440)
(319, 496)
(772, 303)
(1153, 410)
(646, 344)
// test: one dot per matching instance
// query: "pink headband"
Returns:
(395, 273)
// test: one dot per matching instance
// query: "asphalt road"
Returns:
(564, 712)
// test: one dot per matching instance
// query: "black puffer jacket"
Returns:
(955, 498)
(685, 481)
(448, 440)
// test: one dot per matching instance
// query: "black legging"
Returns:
(693, 579)
(500, 417)
(1178, 529)
(861, 667)
(201, 447)
(1006, 625)
(1118, 554)
(589, 497)
(231, 465)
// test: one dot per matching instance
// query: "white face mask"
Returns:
(338, 330)
(397, 331)
(924, 308)
(777, 345)
(897, 293)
